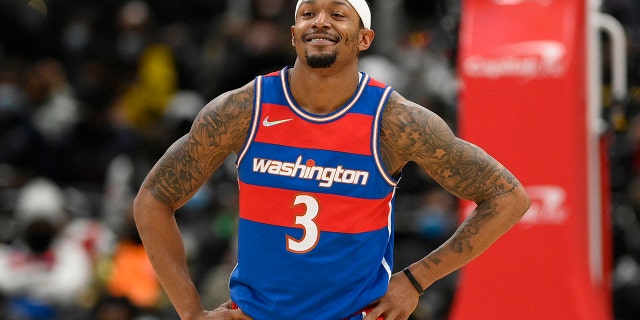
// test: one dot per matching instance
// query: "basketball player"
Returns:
(320, 149)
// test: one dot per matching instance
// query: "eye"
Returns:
(338, 15)
(307, 14)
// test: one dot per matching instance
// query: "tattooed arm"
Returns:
(412, 133)
(219, 129)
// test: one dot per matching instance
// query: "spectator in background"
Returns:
(42, 273)
(54, 108)
(54, 113)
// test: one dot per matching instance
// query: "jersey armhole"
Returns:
(375, 142)
(255, 118)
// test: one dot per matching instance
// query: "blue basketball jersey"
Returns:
(315, 237)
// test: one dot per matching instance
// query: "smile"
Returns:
(320, 39)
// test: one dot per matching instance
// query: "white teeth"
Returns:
(319, 39)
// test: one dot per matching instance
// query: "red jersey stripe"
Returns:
(345, 214)
(325, 136)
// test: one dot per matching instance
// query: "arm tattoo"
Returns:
(469, 228)
(174, 174)
(219, 129)
(433, 259)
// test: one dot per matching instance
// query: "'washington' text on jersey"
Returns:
(309, 170)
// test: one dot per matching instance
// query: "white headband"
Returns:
(361, 6)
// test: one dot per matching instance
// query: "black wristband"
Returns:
(413, 280)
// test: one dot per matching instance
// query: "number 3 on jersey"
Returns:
(307, 222)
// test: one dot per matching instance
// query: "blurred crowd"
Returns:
(93, 92)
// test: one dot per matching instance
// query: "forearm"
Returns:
(164, 246)
(488, 222)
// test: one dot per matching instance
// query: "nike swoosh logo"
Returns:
(268, 123)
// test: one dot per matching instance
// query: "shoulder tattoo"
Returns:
(218, 130)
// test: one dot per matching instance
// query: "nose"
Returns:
(322, 20)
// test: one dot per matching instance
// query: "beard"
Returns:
(320, 61)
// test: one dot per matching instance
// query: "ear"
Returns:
(293, 36)
(366, 38)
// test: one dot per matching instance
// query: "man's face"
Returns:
(325, 31)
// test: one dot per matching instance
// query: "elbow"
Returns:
(146, 204)
(143, 204)
(522, 201)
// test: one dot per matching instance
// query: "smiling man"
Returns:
(320, 150)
